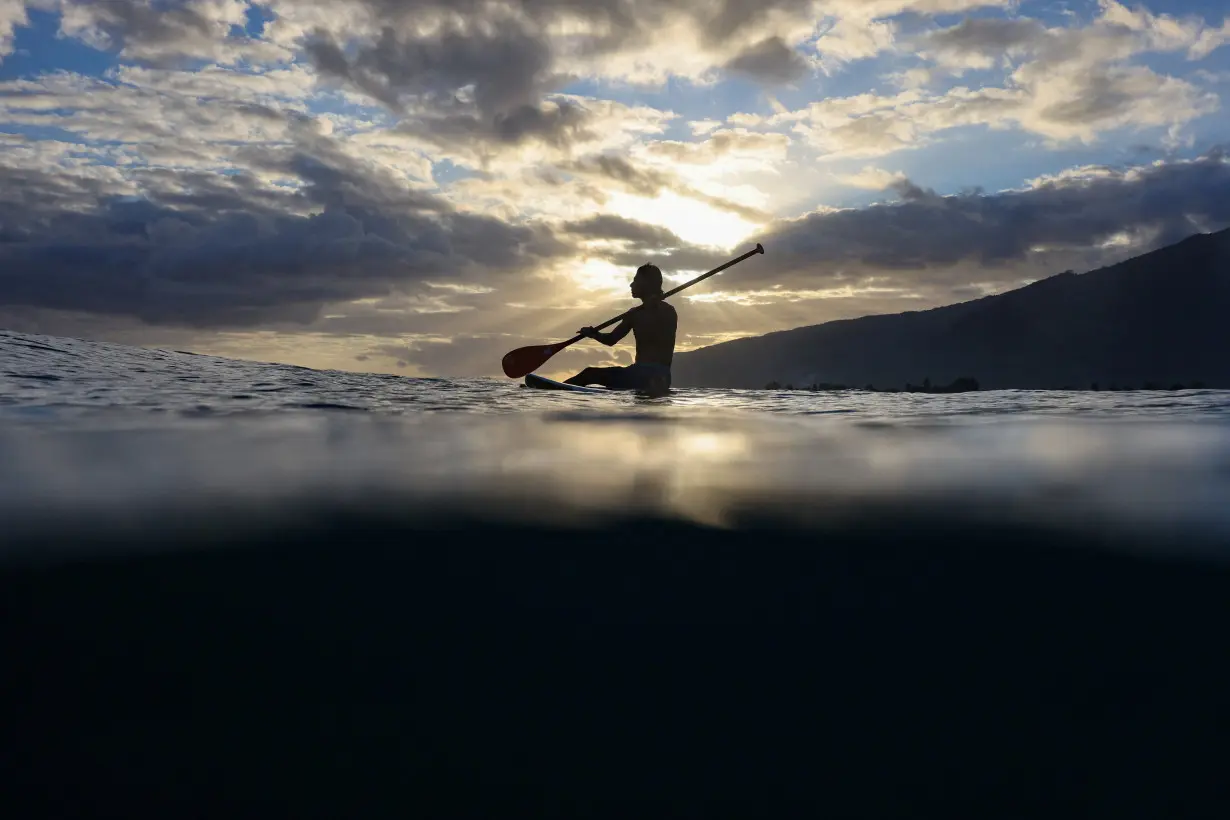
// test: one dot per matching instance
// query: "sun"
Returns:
(600, 275)
(691, 221)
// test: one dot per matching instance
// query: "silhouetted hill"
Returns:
(1163, 317)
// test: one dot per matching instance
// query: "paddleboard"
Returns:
(543, 383)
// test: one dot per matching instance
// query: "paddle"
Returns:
(525, 360)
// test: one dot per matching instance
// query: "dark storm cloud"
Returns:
(993, 235)
(770, 61)
(227, 251)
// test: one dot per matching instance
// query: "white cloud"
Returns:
(860, 29)
(155, 33)
(1116, 34)
(1066, 85)
(728, 145)
(852, 39)
(12, 15)
(1212, 77)
(156, 109)
(1210, 40)
(212, 82)
(871, 178)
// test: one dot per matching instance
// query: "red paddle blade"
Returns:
(525, 360)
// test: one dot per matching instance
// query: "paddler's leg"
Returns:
(650, 379)
(593, 375)
(658, 382)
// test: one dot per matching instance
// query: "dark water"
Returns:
(231, 586)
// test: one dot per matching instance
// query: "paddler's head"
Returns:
(647, 283)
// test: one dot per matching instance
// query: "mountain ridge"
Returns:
(1153, 318)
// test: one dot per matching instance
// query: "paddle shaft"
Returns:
(670, 293)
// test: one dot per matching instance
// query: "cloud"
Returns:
(207, 250)
(977, 43)
(649, 182)
(1116, 35)
(607, 226)
(479, 69)
(161, 34)
(770, 61)
(1065, 105)
(722, 144)
(861, 29)
(12, 15)
(1210, 40)
(502, 66)
(1064, 84)
(558, 129)
(1212, 77)
(158, 110)
(872, 178)
(629, 243)
(1083, 216)
(486, 71)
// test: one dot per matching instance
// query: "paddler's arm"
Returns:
(621, 330)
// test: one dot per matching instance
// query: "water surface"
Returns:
(228, 584)
(98, 435)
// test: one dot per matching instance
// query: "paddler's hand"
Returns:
(588, 333)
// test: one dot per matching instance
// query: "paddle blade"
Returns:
(525, 360)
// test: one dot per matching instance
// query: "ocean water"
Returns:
(93, 434)
(229, 585)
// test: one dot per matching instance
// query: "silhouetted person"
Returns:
(653, 325)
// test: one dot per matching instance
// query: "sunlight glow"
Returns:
(690, 220)
(600, 275)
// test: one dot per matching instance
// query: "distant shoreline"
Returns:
(970, 385)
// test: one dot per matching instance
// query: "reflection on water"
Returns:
(96, 436)
(559, 468)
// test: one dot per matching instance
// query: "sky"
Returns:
(419, 186)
